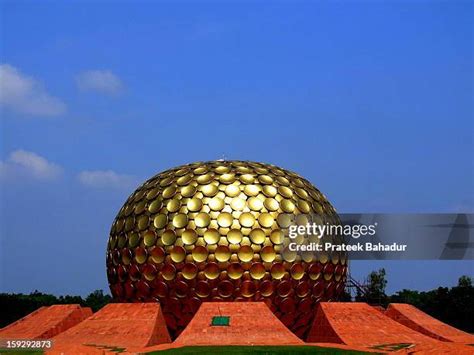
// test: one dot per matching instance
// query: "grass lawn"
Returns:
(261, 350)
(20, 351)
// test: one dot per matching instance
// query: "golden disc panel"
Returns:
(194, 204)
(160, 221)
(211, 236)
(245, 253)
(235, 271)
(202, 220)
(155, 206)
(232, 190)
(225, 219)
(180, 220)
(188, 191)
(268, 254)
(199, 254)
(247, 219)
(271, 204)
(189, 236)
(216, 204)
(168, 237)
(149, 238)
(265, 220)
(255, 204)
(222, 253)
(257, 236)
(234, 236)
(211, 271)
(257, 271)
(270, 191)
(173, 205)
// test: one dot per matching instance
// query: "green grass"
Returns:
(112, 348)
(393, 347)
(21, 351)
(260, 350)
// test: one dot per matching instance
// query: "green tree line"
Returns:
(14, 306)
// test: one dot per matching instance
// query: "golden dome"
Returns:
(215, 231)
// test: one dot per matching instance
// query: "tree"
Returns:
(465, 281)
(16, 306)
(376, 287)
(345, 296)
(406, 296)
(96, 300)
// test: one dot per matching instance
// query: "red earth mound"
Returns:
(415, 319)
(249, 323)
(46, 322)
(361, 325)
(117, 325)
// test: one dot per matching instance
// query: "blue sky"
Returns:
(371, 101)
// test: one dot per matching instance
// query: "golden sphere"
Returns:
(216, 231)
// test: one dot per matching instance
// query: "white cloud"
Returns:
(106, 178)
(21, 163)
(23, 94)
(102, 81)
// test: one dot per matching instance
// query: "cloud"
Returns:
(105, 178)
(102, 81)
(21, 163)
(23, 94)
